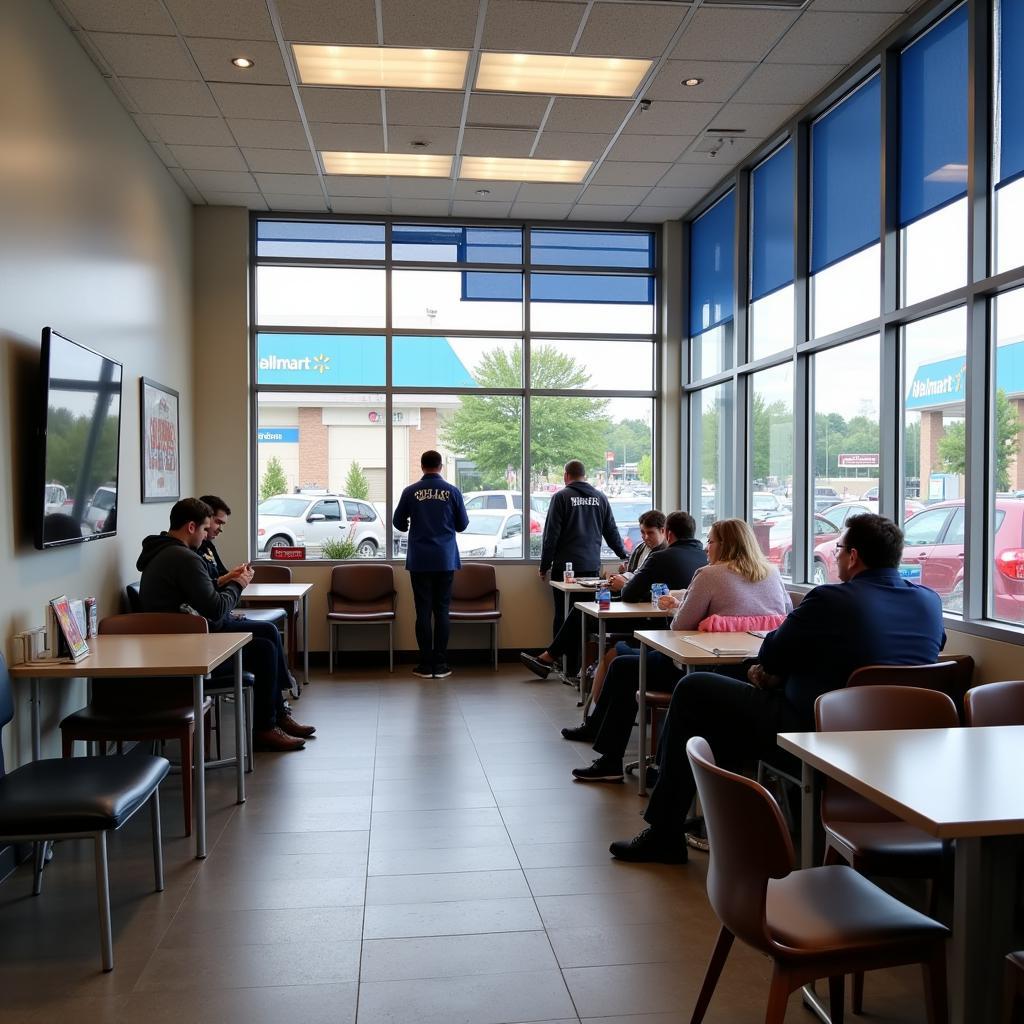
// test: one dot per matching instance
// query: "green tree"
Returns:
(273, 481)
(644, 470)
(953, 443)
(773, 439)
(629, 439)
(356, 484)
(488, 428)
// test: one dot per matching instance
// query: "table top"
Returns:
(625, 610)
(683, 645)
(572, 588)
(275, 591)
(949, 782)
(165, 654)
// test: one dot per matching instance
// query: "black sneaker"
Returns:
(535, 665)
(423, 672)
(442, 672)
(651, 779)
(584, 732)
(650, 845)
(604, 769)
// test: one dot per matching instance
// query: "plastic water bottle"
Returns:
(569, 576)
(658, 590)
(604, 599)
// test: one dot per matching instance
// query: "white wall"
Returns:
(96, 241)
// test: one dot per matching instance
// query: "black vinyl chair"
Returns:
(79, 798)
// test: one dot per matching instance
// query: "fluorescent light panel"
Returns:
(380, 67)
(560, 75)
(393, 165)
(493, 168)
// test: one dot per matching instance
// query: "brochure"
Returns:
(68, 625)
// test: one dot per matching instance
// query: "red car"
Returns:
(779, 545)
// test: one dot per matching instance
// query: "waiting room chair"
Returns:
(995, 704)
(859, 832)
(141, 709)
(362, 595)
(951, 676)
(476, 598)
(79, 799)
(822, 922)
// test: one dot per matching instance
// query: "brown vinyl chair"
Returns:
(1013, 989)
(362, 595)
(951, 676)
(995, 703)
(143, 710)
(476, 598)
(860, 833)
(822, 922)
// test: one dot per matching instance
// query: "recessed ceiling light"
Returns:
(562, 75)
(691, 82)
(406, 165)
(493, 168)
(242, 62)
(380, 67)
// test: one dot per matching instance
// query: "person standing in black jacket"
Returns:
(578, 517)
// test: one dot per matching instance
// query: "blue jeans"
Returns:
(264, 657)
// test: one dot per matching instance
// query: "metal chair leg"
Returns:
(158, 848)
(103, 899)
(39, 859)
(494, 644)
(248, 701)
(391, 647)
(330, 648)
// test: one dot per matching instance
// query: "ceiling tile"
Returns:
(177, 130)
(531, 26)
(208, 158)
(290, 184)
(161, 96)
(441, 23)
(281, 161)
(607, 213)
(299, 203)
(732, 152)
(341, 106)
(758, 120)
(117, 16)
(351, 185)
(225, 19)
(356, 204)
(721, 79)
(273, 101)
(185, 183)
(571, 146)
(480, 208)
(496, 109)
(630, 30)
(732, 34)
(144, 56)
(654, 215)
(681, 197)
(541, 211)
(497, 191)
(348, 138)
(536, 192)
(416, 106)
(786, 83)
(668, 118)
(224, 181)
(648, 148)
(822, 37)
(401, 137)
(702, 175)
(495, 142)
(268, 134)
(421, 188)
(420, 207)
(165, 154)
(146, 126)
(252, 200)
(621, 172)
(614, 195)
(214, 58)
(327, 21)
(579, 114)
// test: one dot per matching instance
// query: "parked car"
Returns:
(505, 500)
(780, 539)
(842, 511)
(494, 534)
(540, 502)
(627, 513)
(768, 505)
(104, 500)
(295, 519)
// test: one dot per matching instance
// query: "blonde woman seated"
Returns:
(738, 589)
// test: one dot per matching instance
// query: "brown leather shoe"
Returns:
(288, 725)
(276, 739)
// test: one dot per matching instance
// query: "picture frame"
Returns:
(160, 442)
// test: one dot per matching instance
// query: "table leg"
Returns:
(642, 769)
(240, 727)
(305, 639)
(199, 768)
(34, 715)
(566, 606)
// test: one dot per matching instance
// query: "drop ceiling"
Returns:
(252, 137)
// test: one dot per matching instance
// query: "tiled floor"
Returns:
(426, 860)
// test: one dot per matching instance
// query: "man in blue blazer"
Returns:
(873, 617)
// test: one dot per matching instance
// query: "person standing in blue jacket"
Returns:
(432, 510)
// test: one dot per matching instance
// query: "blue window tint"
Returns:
(1009, 93)
(771, 243)
(933, 118)
(592, 249)
(443, 244)
(304, 360)
(712, 298)
(478, 285)
(592, 288)
(428, 362)
(320, 240)
(846, 177)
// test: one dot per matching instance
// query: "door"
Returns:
(324, 522)
(510, 545)
(920, 538)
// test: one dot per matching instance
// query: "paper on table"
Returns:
(720, 649)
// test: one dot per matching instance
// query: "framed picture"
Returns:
(161, 469)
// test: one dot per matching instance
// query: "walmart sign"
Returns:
(301, 360)
(277, 435)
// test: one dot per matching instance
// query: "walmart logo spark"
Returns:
(321, 363)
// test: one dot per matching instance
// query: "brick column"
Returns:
(314, 448)
(932, 432)
(422, 440)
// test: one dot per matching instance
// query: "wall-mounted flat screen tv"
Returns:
(79, 439)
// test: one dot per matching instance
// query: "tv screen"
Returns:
(79, 434)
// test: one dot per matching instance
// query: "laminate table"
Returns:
(568, 589)
(280, 593)
(959, 784)
(152, 656)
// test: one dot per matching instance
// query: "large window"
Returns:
(366, 355)
(712, 293)
(1008, 134)
(713, 451)
(771, 254)
(771, 505)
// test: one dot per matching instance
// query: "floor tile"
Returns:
(457, 917)
(382, 890)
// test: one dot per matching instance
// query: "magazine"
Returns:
(68, 624)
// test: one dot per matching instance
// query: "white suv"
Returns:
(290, 519)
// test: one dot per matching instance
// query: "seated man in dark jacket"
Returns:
(872, 617)
(674, 566)
(175, 579)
